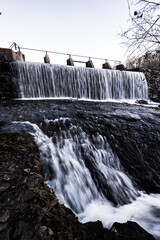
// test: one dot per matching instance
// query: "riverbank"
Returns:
(29, 210)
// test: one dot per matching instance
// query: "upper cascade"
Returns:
(39, 80)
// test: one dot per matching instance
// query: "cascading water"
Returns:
(79, 160)
(37, 80)
(88, 177)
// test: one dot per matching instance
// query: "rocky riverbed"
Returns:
(29, 209)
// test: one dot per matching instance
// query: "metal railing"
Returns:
(17, 47)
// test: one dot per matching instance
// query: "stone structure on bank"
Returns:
(153, 79)
(6, 56)
(5, 80)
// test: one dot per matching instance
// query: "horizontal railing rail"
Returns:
(17, 47)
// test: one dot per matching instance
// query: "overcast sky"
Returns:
(85, 27)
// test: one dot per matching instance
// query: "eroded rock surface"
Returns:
(28, 208)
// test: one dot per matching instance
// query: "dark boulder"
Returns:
(129, 231)
(120, 67)
(95, 230)
(141, 101)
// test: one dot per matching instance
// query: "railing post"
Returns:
(120, 67)
(46, 58)
(89, 64)
(20, 56)
(106, 65)
(70, 61)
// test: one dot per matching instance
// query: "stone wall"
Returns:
(5, 80)
(10, 55)
(6, 56)
(153, 79)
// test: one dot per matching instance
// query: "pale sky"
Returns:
(84, 27)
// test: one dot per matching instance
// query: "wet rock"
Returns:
(37, 166)
(131, 117)
(81, 115)
(3, 235)
(29, 195)
(3, 226)
(27, 170)
(50, 232)
(45, 233)
(135, 142)
(94, 230)
(6, 177)
(43, 228)
(126, 116)
(5, 216)
(129, 231)
(11, 168)
(2, 123)
(30, 201)
(21, 228)
(4, 187)
(141, 101)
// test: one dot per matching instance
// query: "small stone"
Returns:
(6, 178)
(50, 232)
(11, 169)
(43, 228)
(42, 232)
(27, 170)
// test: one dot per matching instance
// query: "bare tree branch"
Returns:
(144, 29)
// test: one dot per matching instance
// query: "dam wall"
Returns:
(7, 91)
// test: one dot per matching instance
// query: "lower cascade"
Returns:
(88, 177)
(37, 80)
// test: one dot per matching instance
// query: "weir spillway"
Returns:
(38, 80)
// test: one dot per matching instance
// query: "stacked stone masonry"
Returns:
(6, 56)
(153, 79)
(5, 80)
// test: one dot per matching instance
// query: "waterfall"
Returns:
(37, 80)
(79, 167)
(88, 177)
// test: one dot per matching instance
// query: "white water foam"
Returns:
(145, 210)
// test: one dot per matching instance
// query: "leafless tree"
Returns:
(143, 33)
